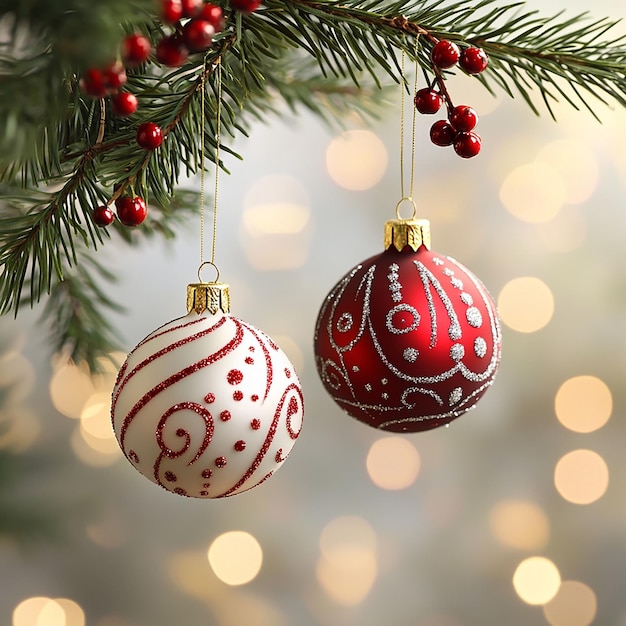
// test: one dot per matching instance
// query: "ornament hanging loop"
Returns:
(412, 203)
(217, 272)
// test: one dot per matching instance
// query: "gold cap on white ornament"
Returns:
(412, 232)
(211, 297)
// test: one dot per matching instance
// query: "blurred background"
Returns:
(513, 515)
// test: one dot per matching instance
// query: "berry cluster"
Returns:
(131, 211)
(108, 81)
(458, 129)
(195, 24)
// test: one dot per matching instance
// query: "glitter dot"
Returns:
(457, 352)
(255, 424)
(220, 461)
(180, 432)
(385, 396)
(240, 445)
(204, 493)
(249, 360)
(206, 485)
(207, 473)
(237, 396)
(356, 368)
(170, 476)
(279, 456)
(132, 455)
(234, 377)
(368, 387)
(448, 272)
(251, 349)
(384, 381)
(209, 398)
(455, 395)
(437, 261)
(466, 298)
(410, 354)
(480, 347)
(254, 397)
(474, 318)
(287, 373)
(180, 492)
(225, 416)
(457, 283)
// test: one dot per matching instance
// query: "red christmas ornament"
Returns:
(149, 135)
(114, 76)
(191, 8)
(409, 339)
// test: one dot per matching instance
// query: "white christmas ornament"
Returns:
(207, 406)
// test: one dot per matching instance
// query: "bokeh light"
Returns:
(235, 557)
(536, 580)
(576, 166)
(533, 193)
(393, 463)
(519, 524)
(276, 226)
(526, 304)
(356, 160)
(583, 404)
(575, 604)
(70, 387)
(347, 567)
(581, 476)
(42, 611)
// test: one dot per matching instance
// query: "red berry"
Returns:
(124, 103)
(463, 118)
(467, 145)
(136, 49)
(427, 101)
(442, 133)
(114, 76)
(171, 51)
(132, 211)
(445, 54)
(213, 15)
(149, 136)
(245, 6)
(473, 60)
(103, 216)
(198, 35)
(191, 8)
(93, 83)
(171, 11)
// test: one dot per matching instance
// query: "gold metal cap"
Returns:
(413, 233)
(212, 297)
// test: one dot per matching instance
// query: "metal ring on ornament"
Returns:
(406, 199)
(217, 271)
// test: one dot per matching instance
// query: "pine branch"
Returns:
(62, 153)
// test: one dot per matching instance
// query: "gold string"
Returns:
(203, 262)
(218, 71)
(404, 196)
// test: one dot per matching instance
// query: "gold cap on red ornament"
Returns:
(412, 232)
(211, 297)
